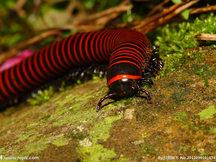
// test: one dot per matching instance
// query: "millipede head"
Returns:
(125, 88)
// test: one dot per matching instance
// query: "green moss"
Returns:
(144, 135)
(60, 141)
(35, 147)
(148, 149)
(208, 113)
(204, 71)
(201, 73)
(179, 97)
(129, 100)
(204, 128)
(101, 130)
(180, 92)
(75, 117)
(121, 160)
(181, 116)
(23, 137)
(2, 150)
(44, 119)
(41, 97)
(118, 102)
(97, 152)
(193, 148)
(203, 154)
(176, 38)
(184, 148)
(212, 130)
(194, 128)
(32, 138)
(31, 125)
(77, 136)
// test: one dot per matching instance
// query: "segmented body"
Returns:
(126, 51)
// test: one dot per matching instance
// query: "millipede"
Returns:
(128, 53)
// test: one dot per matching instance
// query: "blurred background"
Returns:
(21, 20)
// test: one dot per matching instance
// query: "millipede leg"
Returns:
(102, 99)
(148, 80)
(149, 99)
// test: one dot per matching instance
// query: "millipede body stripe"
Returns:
(60, 55)
(7, 84)
(27, 74)
(118, 48)
(94, 43)
(39, 65)
(87, 46)
(37, 72)
(20, 77)
(54, 58)
(43, 63)
(10, 86)
(118, 77)
(3, 92)
(70, 50)
(48, 62)
(15, 82)
(82, 49)
(125, 61)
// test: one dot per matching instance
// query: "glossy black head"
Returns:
(126, 87)
(124, 79)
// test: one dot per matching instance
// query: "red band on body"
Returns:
(123, 76)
